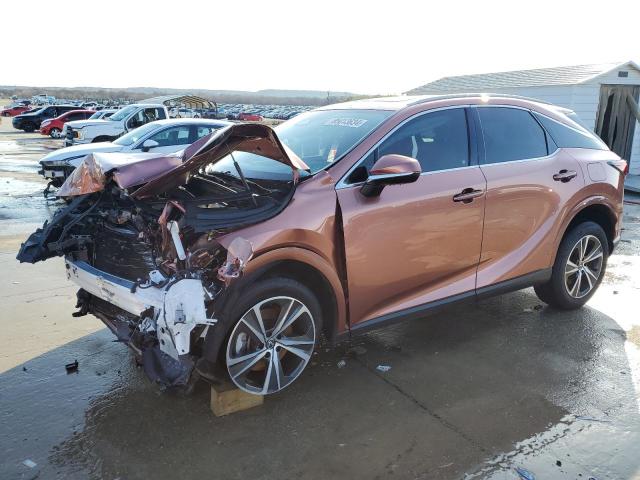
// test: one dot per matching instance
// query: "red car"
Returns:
(53, 126)
(14, 110)
(249, 117)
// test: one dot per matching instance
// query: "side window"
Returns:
(568, 137)
(76, 116)
(150, 115)
(438, 140)
(511, 134)
(203, 131)
(159, 114)
(172, 136)
(136, 120)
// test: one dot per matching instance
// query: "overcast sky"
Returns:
(364, 47)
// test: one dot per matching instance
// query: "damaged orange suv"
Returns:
(235, 255)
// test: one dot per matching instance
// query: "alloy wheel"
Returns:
(271, 345)
(584, 266)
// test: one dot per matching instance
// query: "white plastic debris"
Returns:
(29, 463)
(383, 368)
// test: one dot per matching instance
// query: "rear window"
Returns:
(571, 137)
(511, 134)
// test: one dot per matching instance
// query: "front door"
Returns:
(415, 243)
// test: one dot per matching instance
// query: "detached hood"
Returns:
(159, 174)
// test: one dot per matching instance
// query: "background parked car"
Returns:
(31, 121)
(249, 117)
(53, 126)
(123, 121)
(163, 136)
(14, 110)
(186, 113)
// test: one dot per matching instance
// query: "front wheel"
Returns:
(271, 343)
(579, 268)
(29, 127)
(55, 133)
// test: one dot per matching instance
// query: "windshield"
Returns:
(123, 113)
(135, 135)
(319, 138)
(322, 137)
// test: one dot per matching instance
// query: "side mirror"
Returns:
(149, 144)
(390, 170)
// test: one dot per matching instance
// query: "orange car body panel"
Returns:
(413, 245)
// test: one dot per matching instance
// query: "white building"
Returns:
(605, 97)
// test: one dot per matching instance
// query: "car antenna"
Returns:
(244, 180)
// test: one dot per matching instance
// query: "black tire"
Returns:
(555, 292)
(55, 133)
(266, 289)
(6, 114)
(28, 127)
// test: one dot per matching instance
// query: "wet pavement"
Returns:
(473, 392)
(21, 200)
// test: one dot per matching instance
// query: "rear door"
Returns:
(524, 202)
(415, 244)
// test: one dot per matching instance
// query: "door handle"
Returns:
(467, 195)
(565, 176)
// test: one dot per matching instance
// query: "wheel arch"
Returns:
(594, 210)
(296, 263)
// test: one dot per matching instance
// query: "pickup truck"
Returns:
(121, 122)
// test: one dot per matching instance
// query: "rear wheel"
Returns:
(579, 268)
(6, 114)
(272, 341)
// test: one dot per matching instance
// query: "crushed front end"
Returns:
(140, 242)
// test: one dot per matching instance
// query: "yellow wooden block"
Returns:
(226, 399)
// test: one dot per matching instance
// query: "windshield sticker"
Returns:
(346, 122)
(332, 154)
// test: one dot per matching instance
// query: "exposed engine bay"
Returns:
(145, 255)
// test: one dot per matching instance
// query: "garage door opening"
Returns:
(616, 119)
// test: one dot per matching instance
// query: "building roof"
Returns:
(189, 101)
(519, 78)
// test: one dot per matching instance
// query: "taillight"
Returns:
(621, 165)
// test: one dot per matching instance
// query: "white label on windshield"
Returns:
(346, 122)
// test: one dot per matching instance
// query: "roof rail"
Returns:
(430, 98)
